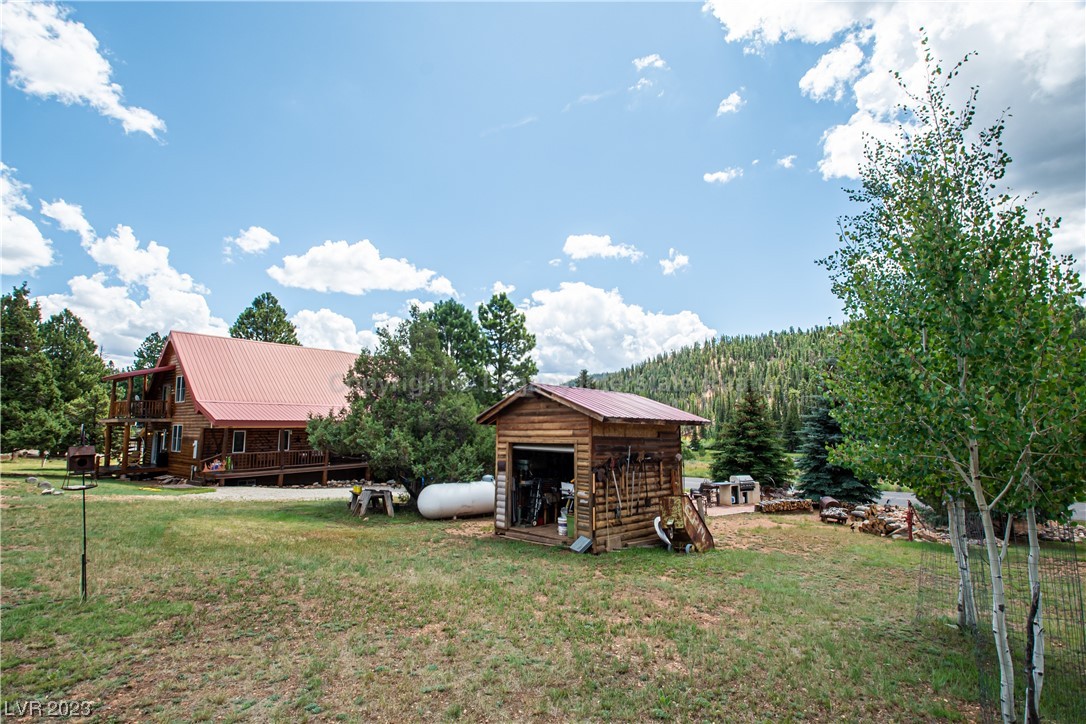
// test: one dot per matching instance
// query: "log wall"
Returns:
(538, 421)
(639, 485)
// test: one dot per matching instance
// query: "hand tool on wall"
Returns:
(618, 493)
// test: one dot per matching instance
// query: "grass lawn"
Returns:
(201, 610)
(55, 473)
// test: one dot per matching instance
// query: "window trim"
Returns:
(284, 434)
(176, 431)
(179, 389)
(234, 442)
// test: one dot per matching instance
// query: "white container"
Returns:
(457, 500)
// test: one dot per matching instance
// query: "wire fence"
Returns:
(1061, 567)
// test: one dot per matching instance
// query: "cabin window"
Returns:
(175, 438)
(179, 390)
(284, 439)
(238, 445)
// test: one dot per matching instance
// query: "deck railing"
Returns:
(141, 409)
(273, 459)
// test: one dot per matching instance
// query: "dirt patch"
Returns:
(472, 528)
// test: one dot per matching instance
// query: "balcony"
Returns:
(140, 409)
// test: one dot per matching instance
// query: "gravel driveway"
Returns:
(249, 492)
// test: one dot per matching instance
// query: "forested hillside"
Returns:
(708, 378)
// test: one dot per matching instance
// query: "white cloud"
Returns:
(510, 126)
(642, 84)
(253, 240)
(555, 262)
(588, 98)
(54, 57)
(674, 262)
(833, 72)
(787, 161)
(24, 250)
(587, 246)
(650, 61)
(69, 217)
(152, 296)
(500, 288)
(731, 104)
(326, 329)
(336, 266)
(579, 326)
(421, 305)
(1029, 60)
(723, 177)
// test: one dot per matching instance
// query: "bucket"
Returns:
(562, 527)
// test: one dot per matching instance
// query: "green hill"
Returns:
(706, 379)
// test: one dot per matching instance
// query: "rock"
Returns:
(47, 491)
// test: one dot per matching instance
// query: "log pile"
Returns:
(1053, 531)
(892, 522)
(784, 505)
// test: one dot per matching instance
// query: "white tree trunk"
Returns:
(959, 541)
(1037, 663)
(999, 609)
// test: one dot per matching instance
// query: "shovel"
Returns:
(618, 494)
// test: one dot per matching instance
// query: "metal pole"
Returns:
(83, 579)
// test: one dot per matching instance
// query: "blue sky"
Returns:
(637, 176)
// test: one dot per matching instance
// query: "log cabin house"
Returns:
(219, 409)
(609, 460)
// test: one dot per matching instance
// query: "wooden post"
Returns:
(324, 473)
(124, 447)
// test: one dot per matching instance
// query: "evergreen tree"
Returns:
(462, 339)
(29, 394)
(819, 434)
(265, 320)
(749, 444)
(77, 373)
(409, 413)
(584, 381)
(149, 351)
(509, 346)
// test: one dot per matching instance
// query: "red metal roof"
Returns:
(240, 382)
(603, 405)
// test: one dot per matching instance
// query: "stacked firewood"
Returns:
(1053, 531)
(784, 505)
(890, 521)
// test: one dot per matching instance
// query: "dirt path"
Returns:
(236, 493)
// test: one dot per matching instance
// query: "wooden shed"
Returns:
(607, 463)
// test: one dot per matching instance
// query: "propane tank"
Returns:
(455, 500)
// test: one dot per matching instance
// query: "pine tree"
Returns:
(27, 416)
(149, 351)
(265, 320)
(509, 346)
(77, 373)
(820, 477)
(462, 338)
(750, 444)
(584, 381)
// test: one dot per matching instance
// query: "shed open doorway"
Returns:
(542, 487)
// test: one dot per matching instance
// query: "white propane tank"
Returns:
(448, 500)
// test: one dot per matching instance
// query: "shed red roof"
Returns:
(240, 382)
(602, 405)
